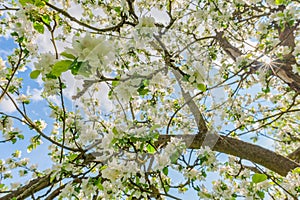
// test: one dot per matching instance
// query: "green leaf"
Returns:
(68, 55)
(52, 178)
(83, 68)
(14, 34)
(13, 140)
(167, 187)
(279, 2)
(261, 194)
(201, 87)
(174, 157)
(146, 82)
(30, 148)
(20, 39)
(115, 83)
(46, 19)
(20, 136)
(186, 77)
(51, 76)
(115, 131)
(98, 184)
(73, 156)
(165, 171)
(143, 91)
(118, 10)
(267, 90)
(257, 178)
(39, 3)
(34, 74)
(155, 126)
(150, 149)
(75, 66)
(38, 27)
(24, 2)
(296, 170)
(60, 67)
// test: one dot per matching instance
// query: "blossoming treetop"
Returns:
(142, 96)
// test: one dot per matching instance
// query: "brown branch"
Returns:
(231, 146)
(257, 154)
(30, 188)
(14, 71)
(6, 8)
(66, 14)
(199, 119)
(282, 68)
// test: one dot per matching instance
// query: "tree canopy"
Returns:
(141, 99)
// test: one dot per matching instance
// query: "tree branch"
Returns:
(66, 14)
(33, 186)
(241, 149)
(282, 68)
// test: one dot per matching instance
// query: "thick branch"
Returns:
(241, 149)
(223, 144)
(282, 68)
(33, 186)
(202, 128)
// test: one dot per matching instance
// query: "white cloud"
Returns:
(35, 93)
(74, 84)
(7, 106)
(5, 52)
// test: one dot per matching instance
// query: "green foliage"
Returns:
(60, 67)
(261, 194)
(174, 156)
(38, 3)
(201, 87)
(257, 178)
(279, 2)
(39, 27)
(150, 149)
(35, 74)
(68, 55)
(46, 19)
(143, 89)
(165, 171)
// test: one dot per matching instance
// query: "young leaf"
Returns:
(34, 74)
(143, 91)
(46, 19)
(174, 157)
(75, 66)
(60, 67)
(165, 171)
(257, 178)
(38, 27)
(261, 194)
(39, 3)
(279, 2)
(73, 156)
(67, 55)
(24, 2)
(115, 83)
(115, 131)
(150, 149)
(201, 87)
